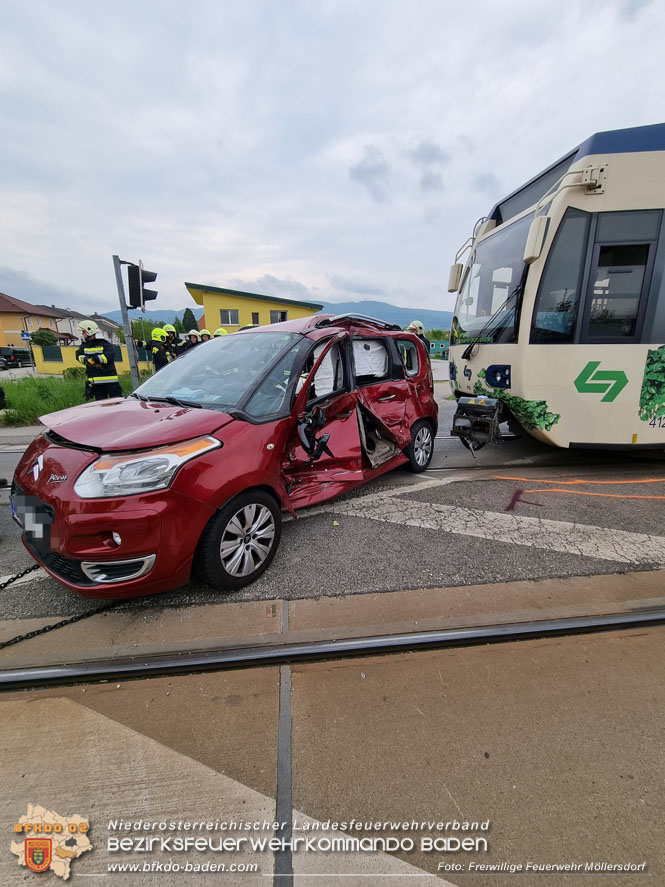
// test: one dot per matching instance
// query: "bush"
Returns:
(74, 373)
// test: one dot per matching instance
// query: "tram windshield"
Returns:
(489, 289)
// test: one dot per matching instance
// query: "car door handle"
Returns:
(344, 415)
(389, 397)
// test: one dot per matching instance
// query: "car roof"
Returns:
(318, 326)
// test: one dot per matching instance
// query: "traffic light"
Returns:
(137, 277)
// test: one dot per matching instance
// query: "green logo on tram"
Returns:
(594, 381)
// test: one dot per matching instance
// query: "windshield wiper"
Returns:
(177, 402)
(137, 396)
(487, 328)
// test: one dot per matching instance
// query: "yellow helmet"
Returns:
(205, 332)
(89, 327)
(159, 335)
(220, 331)
(169, 328)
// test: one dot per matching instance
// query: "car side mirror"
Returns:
(455, 276)
(535, 239)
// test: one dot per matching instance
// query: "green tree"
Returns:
(120, 333)
(179, 326)
(189, 321)
(438, 335)
(43, 337)
(142, 329)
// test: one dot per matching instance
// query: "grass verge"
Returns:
(28, 399)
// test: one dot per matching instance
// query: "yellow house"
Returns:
(233, 309)
(18, 317)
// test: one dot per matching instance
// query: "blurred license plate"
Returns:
(14, 511)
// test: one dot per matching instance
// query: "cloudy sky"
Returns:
(317, 149)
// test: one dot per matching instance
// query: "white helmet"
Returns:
(416, 327)
(89, 327)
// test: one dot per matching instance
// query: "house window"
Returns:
(229, 317)
(255, 317)
(52, 324)
(278, 316)
(28, 320)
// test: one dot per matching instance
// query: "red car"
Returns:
(190, 473)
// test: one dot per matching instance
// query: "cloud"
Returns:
(252, 165)
(431, 181)
(23, 286)
(351, 285)
(428, 154)
(373, 172)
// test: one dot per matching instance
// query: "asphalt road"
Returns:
(498, 518)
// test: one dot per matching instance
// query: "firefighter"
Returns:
(98, 357)
(418, 329)
(220, 331)
(172, 342)
(193, 339)
(157, 348)
(205, 335)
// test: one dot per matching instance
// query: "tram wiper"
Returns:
(517, 294)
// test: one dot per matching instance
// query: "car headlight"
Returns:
(133, 473)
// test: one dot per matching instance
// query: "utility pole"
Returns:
(129, 342)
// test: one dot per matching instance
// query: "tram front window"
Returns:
(488, 291)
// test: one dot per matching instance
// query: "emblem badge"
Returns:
(38, 853)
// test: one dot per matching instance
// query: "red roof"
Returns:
(10, 305)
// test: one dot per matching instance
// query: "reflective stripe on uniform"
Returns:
(93, 350)
(104, 359)
(103, 379)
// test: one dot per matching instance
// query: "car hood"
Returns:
(132, 424)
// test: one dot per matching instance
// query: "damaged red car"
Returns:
(190, 473)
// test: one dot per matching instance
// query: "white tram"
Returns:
(560, 315)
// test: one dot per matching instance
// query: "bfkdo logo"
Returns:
(50, 841)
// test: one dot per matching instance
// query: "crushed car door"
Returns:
(323, 455)
(382, 387)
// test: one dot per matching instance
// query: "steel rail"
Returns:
(294, 653)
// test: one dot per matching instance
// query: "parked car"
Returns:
(12, 357)
(191, 472)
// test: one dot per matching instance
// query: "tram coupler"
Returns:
(476, 421)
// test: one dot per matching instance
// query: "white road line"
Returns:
(37, 576)
(569, 538)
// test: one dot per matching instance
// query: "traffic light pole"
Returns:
(129, 342)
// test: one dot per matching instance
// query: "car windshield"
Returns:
(220, 373)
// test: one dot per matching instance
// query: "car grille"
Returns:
(63, 567)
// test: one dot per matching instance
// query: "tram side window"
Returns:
(616, 290)
(558, 299)
(622, 260)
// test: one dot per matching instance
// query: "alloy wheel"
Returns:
(247, 540)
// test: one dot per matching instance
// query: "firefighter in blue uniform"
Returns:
(98, 357)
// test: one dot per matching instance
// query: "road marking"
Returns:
(31, 577)
(585, 540)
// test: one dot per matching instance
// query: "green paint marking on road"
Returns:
(594, 381)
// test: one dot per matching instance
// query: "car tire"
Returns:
(19, 365)
(419, 452)
(228, 560)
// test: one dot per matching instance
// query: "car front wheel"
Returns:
(240, 541)
(419, 452)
